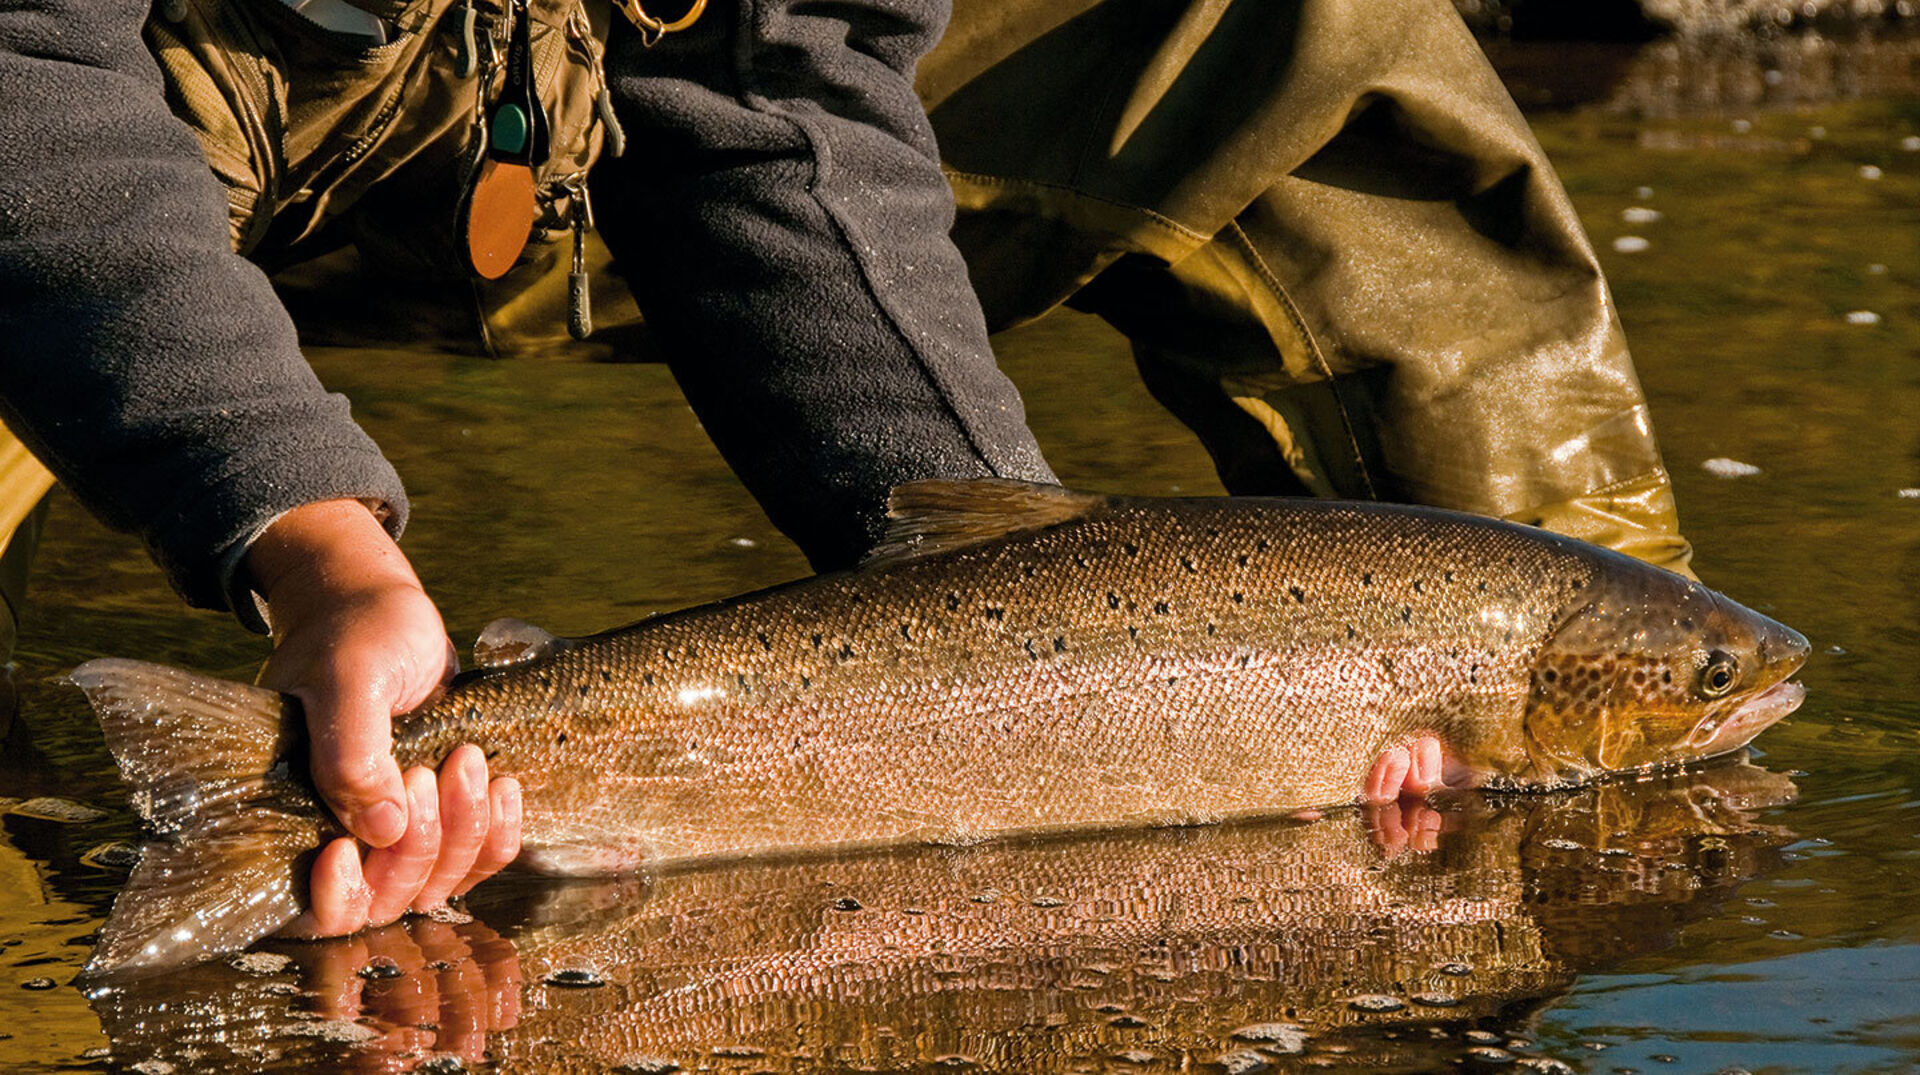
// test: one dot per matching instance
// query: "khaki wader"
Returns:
(1340, 255)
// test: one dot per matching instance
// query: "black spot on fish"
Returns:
(473, 712)
(1419, 587)
(1299, 595)
(692, 653)
(545, 680)
(606, 675)
(740, 681)
(1549, 675)
(1241, 559)
(1482, 587)
(1262, 545)
(585, 690)
(1351, 633)
(1059, 644)
(1187, 562)
(1210, 629)
(667, 656)
(906, 631)
(1239, 598)
(1113, 599)
(995, 613)
(846, 651)
(1160, 608)
(647, 678)
(1447, 576)
(1406, 615)
(1130, 548)
(953, 601)
(1132, 631)
(1029, 570)
(765, 642)
(1081, 561)
(1246, 659)
(1666, 676)
(1366, 578)
(806, 681)
(818, 638)
(1031, 652)
(560, 740)
(1386, 665)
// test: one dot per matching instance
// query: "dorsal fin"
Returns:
(927, 517)
(508, 641)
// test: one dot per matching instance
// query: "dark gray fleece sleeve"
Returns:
(783, 219)
(148, 366)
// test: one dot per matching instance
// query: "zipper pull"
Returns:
(467, 59)
(579, 300)
(581, 28)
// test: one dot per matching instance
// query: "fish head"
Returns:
(1647, 668)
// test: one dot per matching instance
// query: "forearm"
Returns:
(783, 220)
(151, 368)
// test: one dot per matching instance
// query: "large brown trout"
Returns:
(1014, 658)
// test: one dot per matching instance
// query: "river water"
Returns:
(1758, 212)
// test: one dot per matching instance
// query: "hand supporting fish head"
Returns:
(1650, 669)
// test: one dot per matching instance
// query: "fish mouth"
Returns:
(1716, 734)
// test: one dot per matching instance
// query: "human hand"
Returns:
(357, 640)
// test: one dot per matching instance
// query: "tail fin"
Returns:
(216, 770)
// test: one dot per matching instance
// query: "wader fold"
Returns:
(1340, 255)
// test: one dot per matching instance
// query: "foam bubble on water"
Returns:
(1862, 317)
(1742, 126)
(1869, 171)
(1876, 269)
(1816, 132)
(1640, 214)
(1630, 244)
(1722, 467)
(344, 1031)
(1909, 493)
(1911, 143)
(1643, 193)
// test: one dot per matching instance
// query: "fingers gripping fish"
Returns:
(1014, 658)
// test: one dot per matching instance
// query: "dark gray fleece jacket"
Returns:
(780, 211)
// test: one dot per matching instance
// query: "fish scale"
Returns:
(1013, 659)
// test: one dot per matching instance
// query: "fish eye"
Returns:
(1720, 674)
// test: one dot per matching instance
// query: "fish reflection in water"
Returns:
(1357, 942)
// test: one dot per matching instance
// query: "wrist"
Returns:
(329, 546)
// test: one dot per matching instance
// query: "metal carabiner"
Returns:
(653, 29)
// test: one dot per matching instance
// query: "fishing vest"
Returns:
(395, 133)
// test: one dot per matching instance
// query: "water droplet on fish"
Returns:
(745, 543)
(1862, 317)
(645, 1065)
(1559, 844)
(1048, 901)
(38, 983)
(740, 1052)
(991, 895)
(846, 903)
(1376, 1002)
(955, 1061)
(1481, 1037)
(1455, 968)
(1435, 1000)
(380, 968)
(1490, 1055)
(443, 1064)
(1909, 494)
(576, 978)
(118, 855)
(1630, 244)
